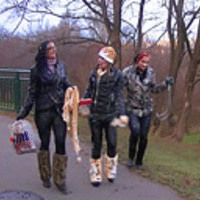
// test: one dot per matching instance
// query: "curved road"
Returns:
(19, 172)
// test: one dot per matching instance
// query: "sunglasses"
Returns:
(51, 48)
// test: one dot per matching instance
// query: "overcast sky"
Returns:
(151, 10)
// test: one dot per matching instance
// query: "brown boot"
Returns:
(59, 172)
(44, 167)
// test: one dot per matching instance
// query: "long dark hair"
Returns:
(40, 58)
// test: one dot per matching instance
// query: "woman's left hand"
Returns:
(124, 119)
(170, 80)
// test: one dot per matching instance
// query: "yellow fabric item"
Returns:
(71, 106)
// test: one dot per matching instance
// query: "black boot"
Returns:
(141, 151)
(132, 150)
(44, 167)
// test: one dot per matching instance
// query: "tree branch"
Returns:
(183, 28)
(22, 17)
(159, 38)
(193, 18)
(80, 40)
(91, 8)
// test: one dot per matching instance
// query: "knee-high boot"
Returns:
(59, 172)
(141, 151)
(133, 140)
(95, 172)
(44, 167)
(110, 167)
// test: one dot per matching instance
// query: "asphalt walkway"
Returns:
(19, 172)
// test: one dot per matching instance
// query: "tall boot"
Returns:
(95, 172)
(44, 167)
(110, 167)
(141, 151)
(59, 172)
(132, 150)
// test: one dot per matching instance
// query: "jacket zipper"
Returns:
(96, 93)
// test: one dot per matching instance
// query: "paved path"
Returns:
(19, 172)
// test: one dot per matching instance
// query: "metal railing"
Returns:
(13, 88)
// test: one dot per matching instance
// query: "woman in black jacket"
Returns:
(106, 90)
(48, 83)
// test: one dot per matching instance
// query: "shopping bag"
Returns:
(23, 137)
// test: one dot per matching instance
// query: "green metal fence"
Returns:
(13, 88)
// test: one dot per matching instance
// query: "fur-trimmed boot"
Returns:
(95, 172)
(110, 167)
(44, 167)
(59, 172)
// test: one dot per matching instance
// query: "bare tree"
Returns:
(180, 127)
(104, 14)
(109, 12)
(179, 47)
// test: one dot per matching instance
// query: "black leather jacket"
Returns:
(43, 95)
(107, 93)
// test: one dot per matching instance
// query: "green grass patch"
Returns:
(193, 138)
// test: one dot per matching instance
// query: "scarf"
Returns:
(48, 72)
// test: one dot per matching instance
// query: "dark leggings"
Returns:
(139, 127)
(97, 127)
(45, 120)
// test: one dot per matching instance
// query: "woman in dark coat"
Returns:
(48, 83)
(140, 82)
(105, 88)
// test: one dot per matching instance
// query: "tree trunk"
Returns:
(113, 28)
(115, 36)
(180, 127)
(139, 26)
(176, 57)
(177, 50)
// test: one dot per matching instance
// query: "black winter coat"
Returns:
(45, 95)
(107, 93)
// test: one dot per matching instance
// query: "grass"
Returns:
(170, 163)
(193, 138)
(175, 164)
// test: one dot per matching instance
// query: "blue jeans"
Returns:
(139, 127)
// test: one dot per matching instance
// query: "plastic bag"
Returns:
(23, 137)
(84, 110)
